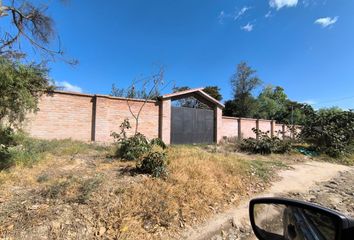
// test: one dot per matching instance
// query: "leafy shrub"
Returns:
(134, 147)
(5, 157)
(8, 140)
(124, 126)
(265, 145)
(155, 164)
(158, 142)
(330, 131)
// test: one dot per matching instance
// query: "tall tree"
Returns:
(271, 103)
(213, 91)
(243, 82)
(20, 88)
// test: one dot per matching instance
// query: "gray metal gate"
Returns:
(192, 125)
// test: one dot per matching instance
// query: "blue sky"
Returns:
(305, 46)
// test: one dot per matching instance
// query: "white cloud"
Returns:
(68, 86)
(221, 17)
(278, 4)
(248, 27)
(240, 13)
(308, 3)
(327, 21)
(268, 15)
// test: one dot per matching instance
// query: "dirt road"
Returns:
(328, 184)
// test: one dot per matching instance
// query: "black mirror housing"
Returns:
(297, 220)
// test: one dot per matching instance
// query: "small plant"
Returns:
(9, 139)
(124, 126)
(43, 178)
(158, 142)
(133, 148)
(57, 190)
(265, 144)
(86, 189)
(155, 164)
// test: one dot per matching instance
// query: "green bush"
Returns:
(265, 145)
(133, 148)
(158, 142)
(155, 164)
(5, 157)
(330, 131)
(8, 140)
(9, 137)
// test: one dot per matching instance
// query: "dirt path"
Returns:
(233, 224)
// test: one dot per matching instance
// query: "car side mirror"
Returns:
(285, 219)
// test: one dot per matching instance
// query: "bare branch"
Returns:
(155, 80)
(32, 24)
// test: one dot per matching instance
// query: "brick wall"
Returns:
(62, 116)
(94, 117)
(89, 117)
(242, 127)
(111, 112)
(229, 127)
(246, 127)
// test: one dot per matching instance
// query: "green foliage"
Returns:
(230, 108)
(330, 131)
(25, 151)
(20, 88)
(213, 91)
(271, 103)
(158, 142)
(243, 82)
(124, 126)
(133, 148)
(265, 144)
(138, 148)
(155, 164)
(8, 139)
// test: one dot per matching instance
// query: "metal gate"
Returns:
(192, 125)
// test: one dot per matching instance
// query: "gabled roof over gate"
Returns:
(191, 92)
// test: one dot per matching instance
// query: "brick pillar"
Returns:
(165, 121)
(218, 124)
(102, 131)
(239, 128)
(283, 131)
(257, 127)
(272, 128)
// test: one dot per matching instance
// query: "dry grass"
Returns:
(88, 196)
